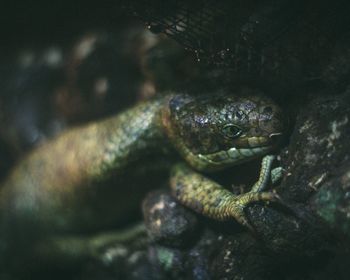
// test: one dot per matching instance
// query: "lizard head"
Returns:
(217, 131)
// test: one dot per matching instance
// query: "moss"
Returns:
(166, 258)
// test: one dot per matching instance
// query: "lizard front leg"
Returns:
(212, 200)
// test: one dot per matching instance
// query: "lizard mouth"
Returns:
(253, 142)
(236, 155)
(233, 156)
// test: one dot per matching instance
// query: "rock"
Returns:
(319, 160)
(167, 221)
(332, 201)
(169, 263)
(29, 79)
(191, 263)
(104, 73)
(240, 257)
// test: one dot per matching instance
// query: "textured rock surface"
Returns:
(168, 222)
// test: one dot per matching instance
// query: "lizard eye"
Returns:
(231, 131)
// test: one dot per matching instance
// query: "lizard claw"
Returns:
(237, 206)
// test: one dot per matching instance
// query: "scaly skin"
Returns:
(56, 187)
(210, 199)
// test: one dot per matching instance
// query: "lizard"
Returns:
(47, 190)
